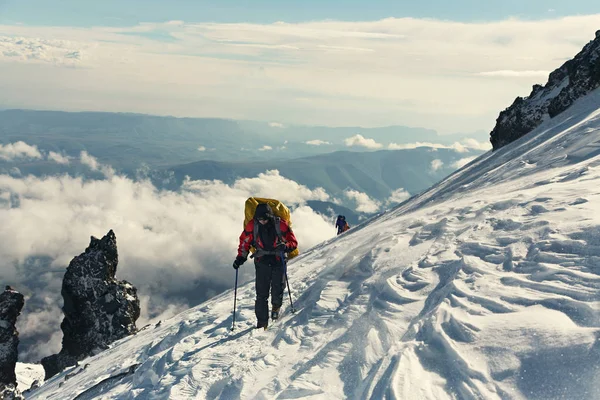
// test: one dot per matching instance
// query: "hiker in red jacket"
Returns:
(273, 239)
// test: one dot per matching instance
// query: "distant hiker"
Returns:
(341, 224)
(274, 238)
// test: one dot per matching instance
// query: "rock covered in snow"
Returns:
(10, 392)
(574, 79)
(29, 377)
(11, 303)
(98, 309)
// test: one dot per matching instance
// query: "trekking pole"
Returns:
(234, 300)
(289, 292)
(287, 281)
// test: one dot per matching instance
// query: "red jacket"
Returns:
(247, 238)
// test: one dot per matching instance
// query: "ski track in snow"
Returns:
(485, 287)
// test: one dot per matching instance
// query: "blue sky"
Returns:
(127, 12)
(445, 65)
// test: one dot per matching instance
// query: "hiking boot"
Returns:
(262, 324)
(275, 314)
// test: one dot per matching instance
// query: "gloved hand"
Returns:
(239, 260)
(281, 247)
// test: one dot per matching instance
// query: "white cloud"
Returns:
(364, 202)
(460, 147)
(37, 326)
(94, 165)
(516, 74)
(38, 50)
(90, 161)
(112, 69)
(317, 142)
(265, 148)
(169, 243)
(306, 222)
(477, 145)
(360, 141)
(12, 151)
(345, 48)
(396, 146)
(201, 148)
(276, 125)
(58, 158)
(398, 196)
(436, 164)
(462, 162)
(269, 184)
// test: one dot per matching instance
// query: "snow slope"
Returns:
(487, 286)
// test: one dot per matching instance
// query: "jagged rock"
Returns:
(98, 309)
(11, 304)
(574, 79)
(10, 392)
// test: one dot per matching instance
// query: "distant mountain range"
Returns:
(376, 173)
(309, 140)
(127, 140)
(218, 149)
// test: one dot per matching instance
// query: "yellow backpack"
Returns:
(279, 209)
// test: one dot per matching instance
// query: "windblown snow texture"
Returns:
(98, 309)
(574, 79)
(487, 286)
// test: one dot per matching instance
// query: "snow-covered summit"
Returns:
(487, 286)
(571, 81)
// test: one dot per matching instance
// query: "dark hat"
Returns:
(263, 211)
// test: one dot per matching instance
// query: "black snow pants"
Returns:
(269, 276)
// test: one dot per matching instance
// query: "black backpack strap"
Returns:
(278, 229)
(255, 234)
(280, 235)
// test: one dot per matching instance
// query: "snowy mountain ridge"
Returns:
(486, 286)
(571, 81)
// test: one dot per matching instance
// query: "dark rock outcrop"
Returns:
(10, 392)
(11, 304)
(574, 79)
(98, 309)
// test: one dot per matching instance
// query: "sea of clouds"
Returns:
(176, 247)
